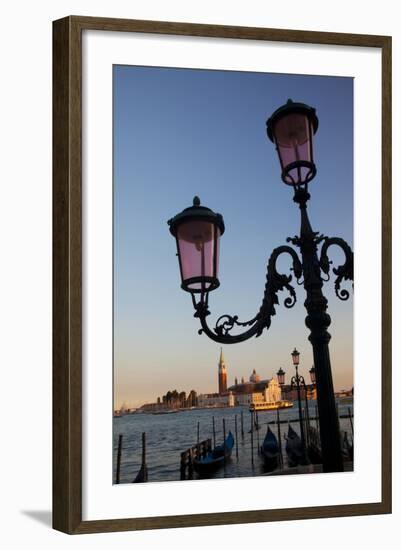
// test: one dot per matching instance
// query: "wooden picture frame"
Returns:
(67, 273)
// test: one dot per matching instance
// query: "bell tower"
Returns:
(222, 374)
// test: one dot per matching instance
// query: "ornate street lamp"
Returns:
(296, 382)
(281, 377)
(291, 128)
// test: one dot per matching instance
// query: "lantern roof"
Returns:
(288, 108)
(196, 212)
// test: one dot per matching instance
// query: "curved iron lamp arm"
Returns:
(344, 272)
(298, 379)
(275, 282)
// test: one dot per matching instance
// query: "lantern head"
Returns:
(291, 128)
(295, 357)
(281, 376)
(312, 373)
(197, 230)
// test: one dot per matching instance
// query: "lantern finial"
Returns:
(196, 201)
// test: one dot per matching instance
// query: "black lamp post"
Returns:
(197, 231)
(296, 382)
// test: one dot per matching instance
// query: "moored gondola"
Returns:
(215, 458)
(142, 476)
(294, 448)
(270, 451)
(347, 448)
(314, 449)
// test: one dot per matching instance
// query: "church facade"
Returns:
(255, 390)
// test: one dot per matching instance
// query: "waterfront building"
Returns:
(263, 391)
(291, 393)
(216, 400)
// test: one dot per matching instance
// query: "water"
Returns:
(167, 435)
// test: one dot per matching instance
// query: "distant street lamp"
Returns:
(281, 377)
(198, 229)
(295, 357)
(296, 382)
(312, 373)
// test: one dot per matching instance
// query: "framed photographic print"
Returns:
(222, 274)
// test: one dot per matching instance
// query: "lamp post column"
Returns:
(301, 420)
(318, 322)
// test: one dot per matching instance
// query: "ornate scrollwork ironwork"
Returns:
(344, 272)
(275, 282)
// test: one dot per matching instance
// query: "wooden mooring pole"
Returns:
(214, 433)
(252, 438)
(197, 439)
(305, 426)
(120, 446)
(257, 430)
(183, 463)
(242, 424)
(236, 437)
(144, 448)
(317, 421)
(350, 421)
(279, 439)
(224, 436)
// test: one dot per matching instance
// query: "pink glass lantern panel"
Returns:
(295, 357)
(199, 251)
(293, 140)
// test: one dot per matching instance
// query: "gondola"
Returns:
(142, 475)
(314, 450)
(215, 458)
(347, 448)
(294, 449)
(270, 451)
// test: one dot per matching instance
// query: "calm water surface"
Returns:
(170, 434)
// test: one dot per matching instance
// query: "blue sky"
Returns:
(180, 133)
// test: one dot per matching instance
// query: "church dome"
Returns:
(254, 378)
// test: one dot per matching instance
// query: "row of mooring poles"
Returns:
(254, 425)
